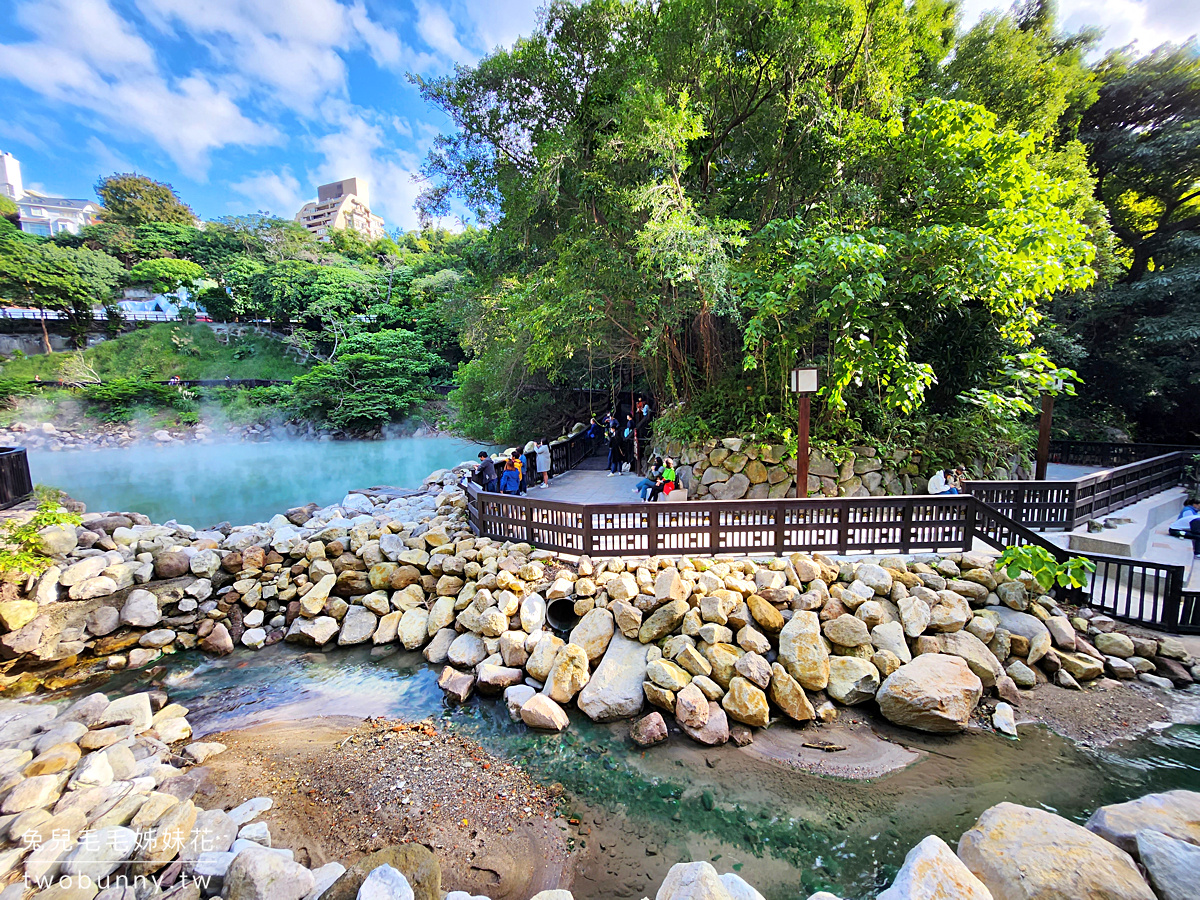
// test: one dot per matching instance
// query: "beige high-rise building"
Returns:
(342, 204)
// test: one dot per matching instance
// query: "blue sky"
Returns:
(247, 105)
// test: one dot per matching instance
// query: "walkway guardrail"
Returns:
(15, 482)
(1109, 454)
(1068, 504)
(1132, 590)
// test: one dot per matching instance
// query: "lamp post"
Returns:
(804, 383)
(1043, 451)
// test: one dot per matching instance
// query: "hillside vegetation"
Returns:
(162, 350)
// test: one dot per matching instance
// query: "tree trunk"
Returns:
(45, 333)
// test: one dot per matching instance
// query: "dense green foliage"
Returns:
(131, 199)
(371, 378)
(688, 198)
(706, 194)
(21, 550)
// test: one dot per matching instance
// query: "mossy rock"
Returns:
(415, 862)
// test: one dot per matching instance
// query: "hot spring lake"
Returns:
(202, 484)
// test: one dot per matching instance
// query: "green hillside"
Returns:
(163, 350)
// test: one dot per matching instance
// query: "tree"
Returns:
(1022, 70)
(934, 279)
(1141, 140)
(47, 276)
(165, 275)
(371, 379)
(624, 150)
(131, 199)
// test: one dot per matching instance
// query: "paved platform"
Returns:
(588, 486)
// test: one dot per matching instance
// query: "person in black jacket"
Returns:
(485, 473)
(616, 455)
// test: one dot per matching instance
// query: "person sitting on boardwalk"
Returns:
(665, 483)
(485, 472)
(1188, 524)
(941, 484)
(510, 479)
(542, 452)
(643, 487)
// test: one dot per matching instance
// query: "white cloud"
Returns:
(108, 160)
(275, 192)
(84, 54)
(438, 31)
(497, 23)
(1148, 22)
(363, 147)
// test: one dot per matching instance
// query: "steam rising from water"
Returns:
(200, 485)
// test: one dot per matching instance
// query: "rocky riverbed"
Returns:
(718, 649)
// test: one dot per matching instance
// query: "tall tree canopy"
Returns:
(131, 199)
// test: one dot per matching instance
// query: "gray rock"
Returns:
(357, 626)
(692, 881)
(261, 874)
(1173, 865)
(615, 688)
(101, 852)
(385, 883)
(141, 610)
(1173, 813)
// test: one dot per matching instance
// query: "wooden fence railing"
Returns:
(1068, 504)
(15, 482)
(1109, 455)
(1129, 589)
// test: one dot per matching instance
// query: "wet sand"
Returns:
(343, 788)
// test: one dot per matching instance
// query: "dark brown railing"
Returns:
(15, 483)
(567, 454)
(1133, 590)
(1129, 589)
(1068, 504)
(1108, 455)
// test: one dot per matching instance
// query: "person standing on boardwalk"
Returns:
(510, 480)
(615, 456)
(542, 452)
(485, 474)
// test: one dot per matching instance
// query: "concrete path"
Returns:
(588, 486)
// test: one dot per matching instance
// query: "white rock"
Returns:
(385, 883)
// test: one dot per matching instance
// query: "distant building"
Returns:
(41, 213)
(342, 204)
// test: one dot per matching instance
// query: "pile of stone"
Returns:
(1141, 850)
(738, 468)
(705, 641)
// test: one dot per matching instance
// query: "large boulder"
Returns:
(746, 703)
(1174, 813)
(931, 871)
(714, 731)
(803, 652)
(1029, 627)
(692, 881)
(541, 712)
(1172, 865)
(974, 652)
(663, 621)
(615, 688)
(593, 633)
(266, 875)
(933, 693)
(1029, 854)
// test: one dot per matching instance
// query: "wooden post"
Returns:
(802, 449)
(1043, 451)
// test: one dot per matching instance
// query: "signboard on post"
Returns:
(804, 383)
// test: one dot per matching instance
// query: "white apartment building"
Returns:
(40, 213)
(342, 204)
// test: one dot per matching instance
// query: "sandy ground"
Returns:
(1107, 710)
(343, 788)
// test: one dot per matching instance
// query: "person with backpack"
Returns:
(542, 454)
(519, 463)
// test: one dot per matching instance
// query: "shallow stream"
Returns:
(789, 833)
